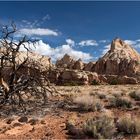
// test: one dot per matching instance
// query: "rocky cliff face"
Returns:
(121, 59)
(69, 63)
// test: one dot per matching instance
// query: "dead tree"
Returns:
(24, 80)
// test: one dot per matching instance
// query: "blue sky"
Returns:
(82, 29)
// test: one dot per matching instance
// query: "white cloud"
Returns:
(106, 49)
(103, 41)
(34, 23)
(88, 43)
(134, 43)
(70, 42)
(130, 42)
(37, 31)
(46, 17)
(58, 52)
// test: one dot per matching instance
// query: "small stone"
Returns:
(17, 124)
(23, 119)
(32, 121)
(9, 121)
(42, 122)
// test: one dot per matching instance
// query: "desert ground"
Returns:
(64, 115)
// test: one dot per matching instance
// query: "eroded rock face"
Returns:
(77, 77)
(90, 66)
(65, 62)
(78, 65)
(121, 59)
(74, 76)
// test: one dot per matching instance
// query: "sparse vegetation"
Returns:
(129, 125)
(88, 103)
(100, 128)
(113, 82)
(95, 82)
(120, 102)
(72, 83)
(135, 95)
(101, 95)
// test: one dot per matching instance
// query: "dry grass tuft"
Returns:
(100, 128)
(135, 95)
(120, 102)
(88, 103)
(128, 125)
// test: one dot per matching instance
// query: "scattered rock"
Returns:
(9, 121)
(16, 124)
(23, 119)
(42, 122)
(33, 121)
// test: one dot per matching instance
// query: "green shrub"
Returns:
(95, 82)
(135, 95)
(113, 82)
(120, 102)
(100, 128)
(129, 125)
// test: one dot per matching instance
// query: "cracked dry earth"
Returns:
(49, 122)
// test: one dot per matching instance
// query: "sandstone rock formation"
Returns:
(121, 59)
(65, 62)
(69, 63)
(78, 65)
(74, 77)
(90, 66)
(44, 61)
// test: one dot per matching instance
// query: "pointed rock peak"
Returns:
(117, 43)
(80, 60)
(66, 56)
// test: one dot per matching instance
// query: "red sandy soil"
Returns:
(53, 124)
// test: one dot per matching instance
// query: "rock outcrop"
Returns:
(44, 61)
(90, 66)
(66, 62)
(121, 59)
(78, 65)
(75, 77)
(69, 63)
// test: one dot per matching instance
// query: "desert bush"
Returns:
(95, 82)
(135, 95)
(100, 128)
(117, 94)
(128, 125)
(101, 95)
(120, 102)
(88, 103)
(72, 83)
(113, 82)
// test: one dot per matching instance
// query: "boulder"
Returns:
(78, 77)
(93, 76)
(127, 80)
